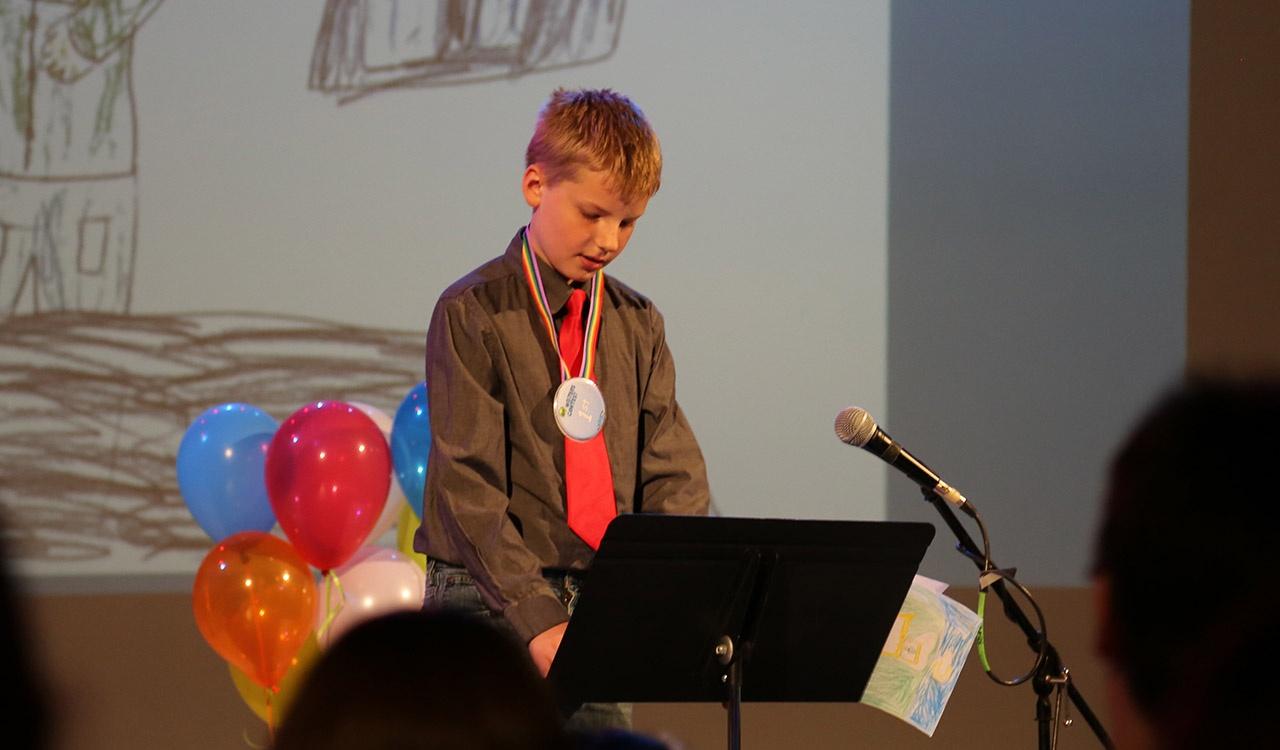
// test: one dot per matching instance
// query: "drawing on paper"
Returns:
(922, 658)
(366, 46)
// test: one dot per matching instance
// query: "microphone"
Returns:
(856, 427)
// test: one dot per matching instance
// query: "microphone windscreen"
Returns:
(855, 426)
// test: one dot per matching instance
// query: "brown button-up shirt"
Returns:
(495, 497)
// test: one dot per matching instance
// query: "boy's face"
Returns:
(579, 225)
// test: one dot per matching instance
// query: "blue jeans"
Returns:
(452, 587)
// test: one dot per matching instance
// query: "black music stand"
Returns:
(695, 609)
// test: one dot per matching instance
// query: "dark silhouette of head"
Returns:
(434, 679)
(1185, 564)
(617, 739)
(26, 713)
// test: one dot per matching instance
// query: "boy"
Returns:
(523, 477)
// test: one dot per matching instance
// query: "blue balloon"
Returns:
(220, 470)
(410, 444)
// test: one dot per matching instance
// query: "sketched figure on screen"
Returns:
(365, 46)
(68, 154)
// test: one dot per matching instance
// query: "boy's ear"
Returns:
(532, 185)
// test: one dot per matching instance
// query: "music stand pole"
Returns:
(1044, 678)
(726, 655)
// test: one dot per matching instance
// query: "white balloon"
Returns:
(395, 495)
(376, 581)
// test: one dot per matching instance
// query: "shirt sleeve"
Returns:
(673, 475)
(467, 473)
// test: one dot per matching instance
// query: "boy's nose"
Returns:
(607, 239)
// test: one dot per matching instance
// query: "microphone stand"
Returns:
(1051, 674)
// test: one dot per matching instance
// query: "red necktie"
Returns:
(588, 480)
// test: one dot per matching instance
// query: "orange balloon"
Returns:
(257, 698)
(255, 600)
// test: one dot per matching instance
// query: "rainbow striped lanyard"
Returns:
(595, 307)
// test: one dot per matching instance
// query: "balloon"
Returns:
(410, 443)
(327, 472)
(376, 581)
(220, 470)
(256, 696)
(254, 601)
(395, 496)
(406, 527)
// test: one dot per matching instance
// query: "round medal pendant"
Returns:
(579, 409)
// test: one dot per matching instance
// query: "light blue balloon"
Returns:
(220, 470)
(410, 444)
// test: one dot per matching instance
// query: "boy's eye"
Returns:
(590, 215)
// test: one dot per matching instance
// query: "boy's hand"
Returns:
(544, 646)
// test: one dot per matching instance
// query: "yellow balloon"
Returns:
(256, 696)
(405, 528)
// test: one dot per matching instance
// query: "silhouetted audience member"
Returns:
(25, 713)
(434, 680)
(1185, 570)
(616, 739)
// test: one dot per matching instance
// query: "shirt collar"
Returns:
(556, 286)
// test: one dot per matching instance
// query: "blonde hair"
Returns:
(601, 130)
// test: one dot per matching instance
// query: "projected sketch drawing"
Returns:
(92, 407)
(94, 400)
(922, 658)
(68, 169)
(365, 46)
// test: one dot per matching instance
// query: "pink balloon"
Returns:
(328, 470)
(395, 495)
(374, 582)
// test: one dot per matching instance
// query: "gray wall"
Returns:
(1037, 257)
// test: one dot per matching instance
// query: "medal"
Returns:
(579, 409)
(578, 404)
